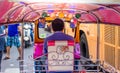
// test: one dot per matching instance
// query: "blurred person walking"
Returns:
(2, 43)
(13, 39)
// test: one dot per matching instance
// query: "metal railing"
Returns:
(82, 65)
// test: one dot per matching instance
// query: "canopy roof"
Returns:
(14, 12)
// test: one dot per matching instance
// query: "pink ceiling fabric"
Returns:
(11, 12)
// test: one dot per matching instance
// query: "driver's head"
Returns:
(57, 25)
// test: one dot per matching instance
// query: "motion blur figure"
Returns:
(13, 39)
(2, 43)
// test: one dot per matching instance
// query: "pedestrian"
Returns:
(2, 43)
(42, 22)
(58, 28)
(13, 39)
(31, 32)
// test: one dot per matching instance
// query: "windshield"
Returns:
(47, 30)
(44, 30)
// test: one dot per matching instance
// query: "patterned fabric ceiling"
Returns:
(11, 12)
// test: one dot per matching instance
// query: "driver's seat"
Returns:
(60, 56)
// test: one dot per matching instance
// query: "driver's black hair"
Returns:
(57, 24)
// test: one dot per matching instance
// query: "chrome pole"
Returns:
(21, 62)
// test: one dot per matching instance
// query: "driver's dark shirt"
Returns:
(56, 36)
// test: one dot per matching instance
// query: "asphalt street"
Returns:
(13, 63)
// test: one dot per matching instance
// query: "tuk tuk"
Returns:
(94, 26)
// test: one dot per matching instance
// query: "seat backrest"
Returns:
(60, 55)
